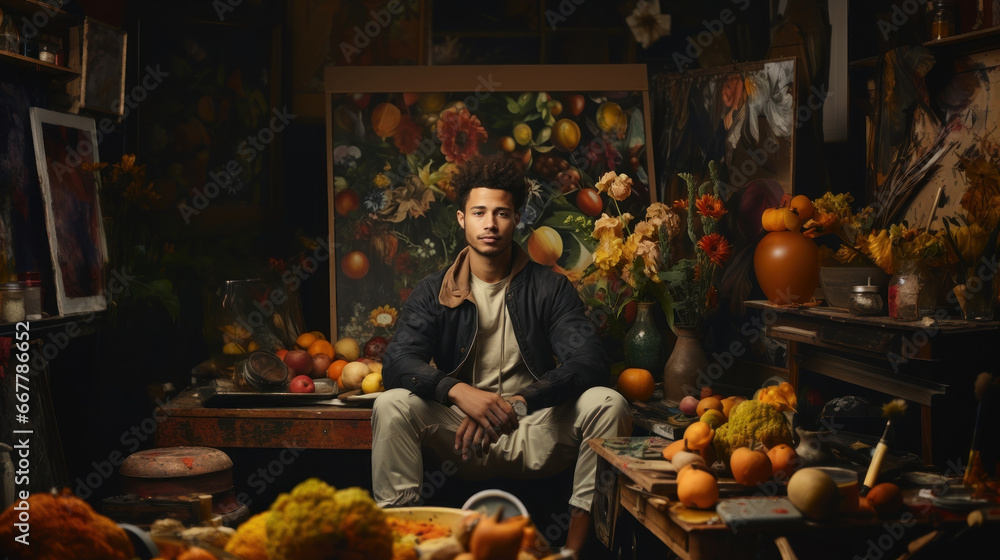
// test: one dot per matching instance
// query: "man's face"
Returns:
(489, 220)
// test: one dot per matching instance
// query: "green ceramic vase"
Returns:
(645, 344)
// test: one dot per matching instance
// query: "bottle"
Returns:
(942, 20)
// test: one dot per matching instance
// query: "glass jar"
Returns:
(11, 302)
(32, 295)
(942, 20)
(911, 292)
(47, 53)
(865, 300)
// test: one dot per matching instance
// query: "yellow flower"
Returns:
(621, 187)
(631, 247)
(608, 253)
(127, 163)
(604, 184)
(971, 241)
(383, 316)
(650, 253)
(644, 230)
(879, 248)
(381, 181)
(606, 225)
(658, 214)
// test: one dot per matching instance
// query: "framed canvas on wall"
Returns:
(396, 134)
(63, 143)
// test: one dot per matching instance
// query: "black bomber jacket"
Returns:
(439, 321)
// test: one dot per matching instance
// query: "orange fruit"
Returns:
(699, 435)
(672, 449)
(750, 467)
(280, 353)
(708, 403)
(320, 346)
(784, 460)
(335, 369)
(636, 384)
(697, 487)
(305, 339)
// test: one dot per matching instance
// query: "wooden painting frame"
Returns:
(699, 118)
(73, 221)
(622, 142)
(102, 77)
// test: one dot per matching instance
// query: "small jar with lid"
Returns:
(262, 371)
(32, 295)
(865, 300)
(11, 302)
(942, 20)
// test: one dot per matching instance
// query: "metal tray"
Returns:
(223, 393)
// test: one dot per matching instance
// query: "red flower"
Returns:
(681, 204)
(277, 264)
(408, 136)
(710, 206)
(404, 294)
(460, 133)
(716, 247)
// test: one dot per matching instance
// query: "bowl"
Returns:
(847, 486)
(837, 282)
(489, 501)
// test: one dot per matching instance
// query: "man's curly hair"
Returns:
(496, 171)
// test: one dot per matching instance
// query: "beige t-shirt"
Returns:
(494, 363)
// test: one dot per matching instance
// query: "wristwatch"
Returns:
(519, 406)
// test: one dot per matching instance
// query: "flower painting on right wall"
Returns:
(742, 117)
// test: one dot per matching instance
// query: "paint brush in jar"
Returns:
(891, 410)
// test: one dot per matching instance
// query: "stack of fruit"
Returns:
(750, 438)
(314, 357)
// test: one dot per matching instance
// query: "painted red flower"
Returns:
(408, 135)
(460, 133)
(680, 204)
(716, 247)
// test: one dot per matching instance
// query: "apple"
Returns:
(302, 384)
(375, 347)
(321, 363)
(689, 405)
(299, 361)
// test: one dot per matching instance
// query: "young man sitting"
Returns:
(494, 361)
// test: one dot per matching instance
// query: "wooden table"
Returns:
(185, 420)
(626, 485)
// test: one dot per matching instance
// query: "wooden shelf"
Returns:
(974, 39)
(38, 65)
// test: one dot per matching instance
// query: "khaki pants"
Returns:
(545, 442)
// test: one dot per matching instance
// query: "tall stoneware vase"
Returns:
(688, 359)
(645, 344)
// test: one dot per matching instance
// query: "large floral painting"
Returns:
(396, 135)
